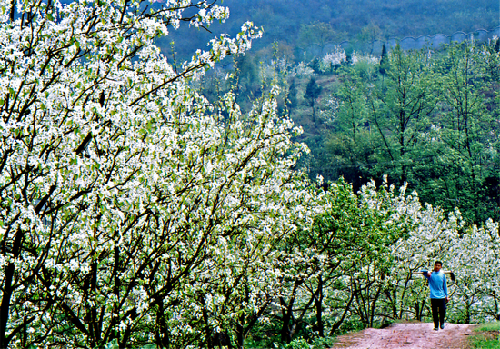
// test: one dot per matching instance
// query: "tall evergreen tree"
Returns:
(383, 61)
(312, 92)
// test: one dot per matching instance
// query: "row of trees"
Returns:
(132, 210)
(134, 213)
(360, 265)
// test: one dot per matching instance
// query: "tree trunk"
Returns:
(286, 336)
(8, 288)
(318, 303)
(240, 335)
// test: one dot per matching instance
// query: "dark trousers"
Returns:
(438, 311)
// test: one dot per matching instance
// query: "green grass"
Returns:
(487, 337)
(492, 326)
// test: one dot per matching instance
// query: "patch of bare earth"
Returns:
(408, 336)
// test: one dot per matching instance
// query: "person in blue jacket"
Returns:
(439, 294)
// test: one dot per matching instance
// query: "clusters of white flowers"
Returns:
(368, 59)
(135, 211)
(329, 110)
(475, 256)
(130, 205)
(337, 57)
(302, 70)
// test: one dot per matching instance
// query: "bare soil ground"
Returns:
(408, 336)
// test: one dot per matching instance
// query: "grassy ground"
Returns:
(487, 336)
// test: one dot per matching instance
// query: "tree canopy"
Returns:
(140, 210)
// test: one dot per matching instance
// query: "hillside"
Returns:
(298, 23)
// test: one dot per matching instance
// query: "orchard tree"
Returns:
(131, 208)
(430, 235)
(314, 261)
(475, 257)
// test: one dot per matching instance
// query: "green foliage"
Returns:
(301, 343)
(292, 96)
(428, 121)
(114, 345)
(312, 92)
(487, 337)
(383, 61)
(490, 326)
(486, 343)
(351, 324)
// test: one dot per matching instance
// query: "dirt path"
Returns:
(408, 336)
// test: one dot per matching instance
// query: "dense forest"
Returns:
(426, 119)
(296, 24)
(156, 192)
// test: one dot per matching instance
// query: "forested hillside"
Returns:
(301, 23)
(467, 181)
(429, 119)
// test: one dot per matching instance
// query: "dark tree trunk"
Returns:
(286, 333)
(8, 289)
(318, 303)
(240, 335)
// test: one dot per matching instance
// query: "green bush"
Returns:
(301, 343)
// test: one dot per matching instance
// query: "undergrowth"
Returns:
(487, 337)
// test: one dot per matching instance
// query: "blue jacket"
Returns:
(437, 284)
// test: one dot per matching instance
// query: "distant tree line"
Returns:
(299, 24)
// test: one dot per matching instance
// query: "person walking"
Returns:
(439, 294)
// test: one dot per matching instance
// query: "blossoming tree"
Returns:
(131, 208)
